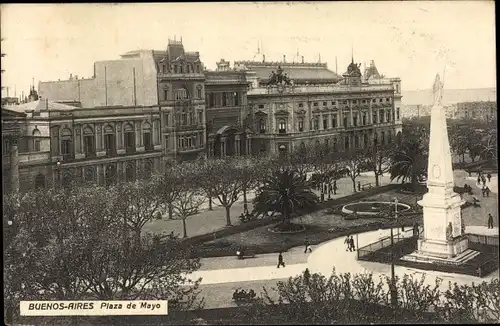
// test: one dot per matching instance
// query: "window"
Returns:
(236, 99)
(181, 69)
(191, 120)
(315, 104)
(281, 126)
(473, 114)
(200, 117)
(381, 116)
(109, 140)
(354, 101)
(147, 137)
(334, 121)
(345, 101)
(363, 101)
(374, 100)
(397, 113)
(388, 116)
(365, 141)
(261, 106)
(199, 93)
(190, 142)
(175, 68)
(184, 119)
(324, 103)
(334, 103)
(224, 99)
(325, 123)
(380, 100)
(88, 142)
(301, 105)
(262, 126)
(346, 142)
(356, 141)
(165, 94)
(364, 118)
(355, 120)
(374, 117)
(198, 68)
(387, 99)
(335, 144)
(301, 124)
(167, 119)
(36, 141)
(345, 122)
(67, 140)
(316, 123)
(382, 137)
(129, 136)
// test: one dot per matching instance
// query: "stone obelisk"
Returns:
(443, 228)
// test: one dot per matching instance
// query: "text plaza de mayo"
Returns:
(149, 107)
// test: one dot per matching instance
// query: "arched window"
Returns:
(281, 126)
(36, 140)
(365, 141)
(356, 141)
(166, 96)
(345, 122)
(40, 181)
(147, 137)
(129, 136)
(88, 142)
(301, 124)
(130, 172)
(364, 118)
(381, 116)
(89, 175)
(67, 143)
(199, 92)
(316, 123)
(148, 169)
(110, 174)
(374, 117)
(318, 143)
(262, 126)
(109, 140)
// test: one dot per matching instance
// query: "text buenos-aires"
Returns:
(61, 306)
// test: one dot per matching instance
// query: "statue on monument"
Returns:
(437, 89)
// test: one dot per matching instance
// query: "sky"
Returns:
(412, 40)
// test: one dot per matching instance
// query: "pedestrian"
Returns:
(335, 187)
(484, 180)
(487, 191)
(359, 186)
(352, 247)
(307, 245)
(479, 179)
(483, 190)
(347, 243)
(280, 260)
(489, 177)
(490, 221)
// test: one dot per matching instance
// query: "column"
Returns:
(14, 166)
(330, 121)
(237, 144)
(350, 115)
(370, 113)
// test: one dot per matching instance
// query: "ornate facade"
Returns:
(315, 108)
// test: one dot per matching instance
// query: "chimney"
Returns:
(70, 76)
(263, 58)
(284, 58)
(302, 59)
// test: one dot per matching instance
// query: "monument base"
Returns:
(442, 249)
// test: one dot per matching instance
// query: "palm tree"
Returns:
(410, 161)
(285, 191)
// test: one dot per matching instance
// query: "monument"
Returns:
(443, 236)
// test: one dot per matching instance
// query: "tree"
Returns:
(354, 160)
(327, 164)
(250, 174)
(137, 203)
(473, 141)
(378, 159)
(409, 160)
(170, 186)
(286, 192)
(189, 200)
(489, 145)
(222, 179)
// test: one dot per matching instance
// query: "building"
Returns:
(57, 143)
(482, 110)
(227, 114)
(297, 105)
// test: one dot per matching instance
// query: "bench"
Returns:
(366, 186)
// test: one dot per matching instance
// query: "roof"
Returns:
(298, 74)
(41, 105)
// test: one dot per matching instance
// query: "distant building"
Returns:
(484, 111)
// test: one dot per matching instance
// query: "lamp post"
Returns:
(58, 172)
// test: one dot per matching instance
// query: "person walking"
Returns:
(352, 247)
(478, 179)
(335, 187)
(280, 260)
(487, 191)
(359, 186)
(489, 177)
(490, 221)
(347, 243)
(483, 190)
(484, 180)
(307, 245)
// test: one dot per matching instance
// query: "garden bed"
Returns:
(287, 228)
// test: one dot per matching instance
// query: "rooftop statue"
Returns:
(437, 90)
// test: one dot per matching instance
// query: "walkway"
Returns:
(323, 259)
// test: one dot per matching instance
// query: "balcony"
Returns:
(90, 154)
(187, 150)
(110, 151)
(34, 156)
(130, 149)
